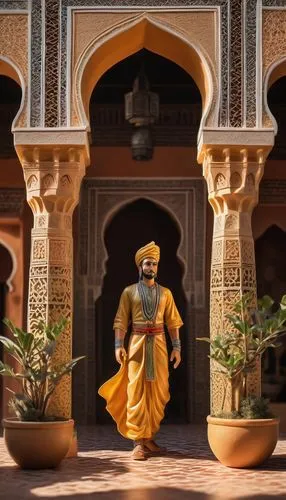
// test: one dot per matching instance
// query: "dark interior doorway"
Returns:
(132, 227)
(270, 250)
(6, 266)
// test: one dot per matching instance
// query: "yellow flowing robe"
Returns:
(137, 405)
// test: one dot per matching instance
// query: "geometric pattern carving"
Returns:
(58, 250)
(250, 41)
(216, 281)
(60, 290)
(248, 278)
(247, 251)
(231, 277)
(236, 94)
(52, 21)
(231, 250)
(39, 249)
(217, 252)
(36, 67)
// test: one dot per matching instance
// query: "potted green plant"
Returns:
(243, 432)
(34, 438)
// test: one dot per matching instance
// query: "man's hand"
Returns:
(120, 354)
(177, 356)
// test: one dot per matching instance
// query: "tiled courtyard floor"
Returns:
(103, 470)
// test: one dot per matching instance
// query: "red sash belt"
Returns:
(147, 330)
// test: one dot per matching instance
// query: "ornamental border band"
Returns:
(137, 395)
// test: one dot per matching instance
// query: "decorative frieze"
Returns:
(11, 201)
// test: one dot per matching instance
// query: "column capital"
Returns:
(234, 140)
(233, 175)
(48, 139)
(53, 175)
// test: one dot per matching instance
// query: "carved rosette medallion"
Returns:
(53, 179)
(233, 178)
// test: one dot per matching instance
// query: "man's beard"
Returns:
(149, 276)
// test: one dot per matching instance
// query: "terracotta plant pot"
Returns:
(241, 442)
(38, 445)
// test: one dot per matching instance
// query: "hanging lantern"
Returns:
(141, 110)
(141, 144)
(141, 105)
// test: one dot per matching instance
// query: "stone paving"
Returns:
(103, 470)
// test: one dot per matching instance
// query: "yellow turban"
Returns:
(149, 250)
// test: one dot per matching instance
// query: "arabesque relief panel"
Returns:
(14, 46)
(273, 46)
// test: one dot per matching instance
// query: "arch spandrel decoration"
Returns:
(14, 57)
(131, 35)
(273, 54)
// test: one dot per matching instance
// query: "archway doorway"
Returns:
(10, 100)
(171, 169)
(270, 251)
(6, 266)
(276, 99)
(132, 227)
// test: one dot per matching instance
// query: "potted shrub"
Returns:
(34, 438)
(243, 432)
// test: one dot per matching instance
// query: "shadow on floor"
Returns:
(152, 494)
(16, 483)
(274, 463)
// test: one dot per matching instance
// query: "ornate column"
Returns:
(53, 176)
(233, 176)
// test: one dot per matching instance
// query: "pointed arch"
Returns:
(275, 71)
(13, 258)
(129, 37)
(10, 69)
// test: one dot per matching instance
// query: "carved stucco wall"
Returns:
(14, 48)
(273, 52)
(243, 27)
(185, 200)
(236, 39)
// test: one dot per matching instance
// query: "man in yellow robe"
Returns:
(137, 395)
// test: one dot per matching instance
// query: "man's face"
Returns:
(149, 268)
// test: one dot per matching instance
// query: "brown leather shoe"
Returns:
(152, 447)
(138, 453)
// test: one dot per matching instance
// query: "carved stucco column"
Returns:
(233, 177)
(53, 178)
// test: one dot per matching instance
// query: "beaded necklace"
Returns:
(150, 298)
